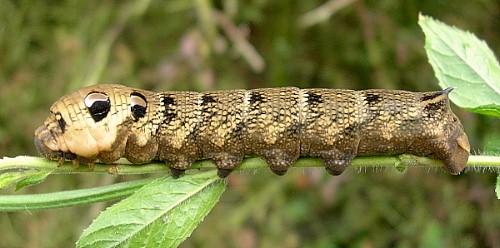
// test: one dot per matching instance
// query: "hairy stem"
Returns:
(122, 167)
(71, 198)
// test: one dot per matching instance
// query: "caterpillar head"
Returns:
(90, 124)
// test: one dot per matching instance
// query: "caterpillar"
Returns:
(106, 122)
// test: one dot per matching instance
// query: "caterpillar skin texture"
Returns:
(107, 122)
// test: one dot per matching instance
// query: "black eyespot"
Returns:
(98, 105)
(61, 121)
(138, 105)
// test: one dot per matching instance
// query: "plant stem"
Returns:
(122, 167)
(71, 198)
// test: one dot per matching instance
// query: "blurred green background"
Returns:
(50, 48)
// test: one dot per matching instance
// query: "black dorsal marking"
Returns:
(138, 105)
(373, 99)
(167, 100)
(205, 99)
(256, 97)
(168, 112)
(98, 105)
(313, 98)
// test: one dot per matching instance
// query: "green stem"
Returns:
(70, 198)
(122, 167)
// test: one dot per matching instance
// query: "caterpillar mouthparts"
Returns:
(107, 122)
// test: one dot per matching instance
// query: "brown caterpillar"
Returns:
(107, 122)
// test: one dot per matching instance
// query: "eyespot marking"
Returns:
(98, 105)
(138, 105)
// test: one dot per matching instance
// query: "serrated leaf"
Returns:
(32, 179)
(461, 60)
(161, 214)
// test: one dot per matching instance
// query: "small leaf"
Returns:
(161, 214)
(32, 179)
(460, 59)
(9, 178)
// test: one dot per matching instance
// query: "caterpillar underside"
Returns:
(107, 122)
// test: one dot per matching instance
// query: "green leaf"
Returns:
(161, 214)
(9, 178)
(461, 60)
(32, 180)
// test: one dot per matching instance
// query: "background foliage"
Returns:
(51, 48)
